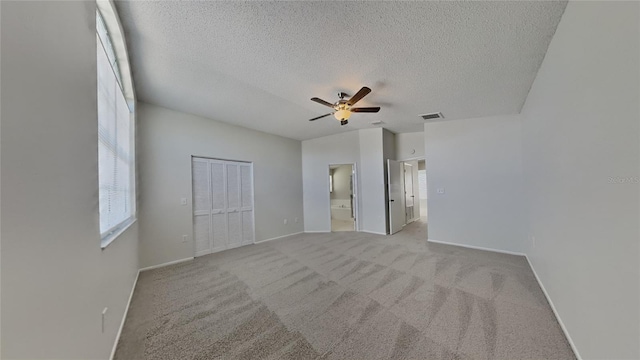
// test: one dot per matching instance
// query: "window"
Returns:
(115, 143)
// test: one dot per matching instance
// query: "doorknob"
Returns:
(391, 200)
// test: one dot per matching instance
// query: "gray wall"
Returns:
(582, 159)
(168, 139)
(372, 179)
(55, 278)
(478, 162)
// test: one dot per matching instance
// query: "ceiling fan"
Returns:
(343, 108)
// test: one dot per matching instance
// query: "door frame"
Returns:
(253, 198)
(356, 198)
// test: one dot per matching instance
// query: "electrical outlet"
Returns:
(285, 221)
(440, 190)
(297, 220)
(184, 238)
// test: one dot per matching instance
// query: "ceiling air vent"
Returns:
(376, 123)
(432, 116)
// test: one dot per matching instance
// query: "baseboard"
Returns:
(477, 247)
(373, 232)
(124, 317)
(166, 264)
(316, 232)
(555, 312)
(279, 237)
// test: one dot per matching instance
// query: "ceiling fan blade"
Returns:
(320, 101)
(359, 95)
(366, 109)
(320, 117)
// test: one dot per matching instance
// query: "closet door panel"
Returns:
(201, 195)
(202, 234)
(218, 185)
(246, 186)
(219, 231)
(233, 187)
(235, 229)
(247, 227)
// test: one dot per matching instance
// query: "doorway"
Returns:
(222, 204)
(407, 193)
(342, 197)
(411, 211)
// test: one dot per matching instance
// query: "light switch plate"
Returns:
(183, 201)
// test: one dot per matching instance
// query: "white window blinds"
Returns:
(115, 148)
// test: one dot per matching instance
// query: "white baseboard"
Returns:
(278, 237)
(316, 232)
(555, 312)
(166, 264)
(477, 247)
(124, 317)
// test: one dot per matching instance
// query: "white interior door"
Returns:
(396, 195)
(222, 205)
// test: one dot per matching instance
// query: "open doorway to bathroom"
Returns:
(342, 197)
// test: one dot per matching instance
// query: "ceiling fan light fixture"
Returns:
(342, 114)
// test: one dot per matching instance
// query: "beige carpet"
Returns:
(343, 296)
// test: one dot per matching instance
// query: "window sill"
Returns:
(107, 240)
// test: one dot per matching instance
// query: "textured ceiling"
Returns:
(257, 64)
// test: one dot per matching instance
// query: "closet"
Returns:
(223, 215)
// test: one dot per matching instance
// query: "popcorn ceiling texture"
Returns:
(257, 64)
(343, 296)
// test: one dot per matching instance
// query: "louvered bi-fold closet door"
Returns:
(201, 206)
(223, 205)
(239, 204)
(246, 203)
(219, 228)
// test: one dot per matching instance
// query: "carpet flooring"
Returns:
(345, 295)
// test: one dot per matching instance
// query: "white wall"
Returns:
(478, 163)
(317, 155)
(581, 157)
(372, 184)
(363, 148)
(409, 146)
(55, 278)
(168, 139)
